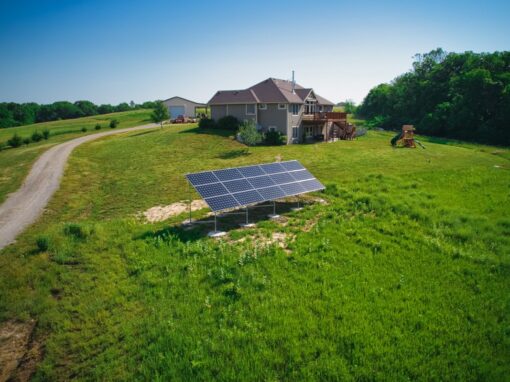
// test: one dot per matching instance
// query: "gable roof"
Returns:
(184, 99)
(272, 90)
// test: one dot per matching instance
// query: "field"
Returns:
(16, 162)
(400, 273)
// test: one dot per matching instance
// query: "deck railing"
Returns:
(325, 116)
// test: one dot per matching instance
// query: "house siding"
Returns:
(218, 111)
(272, 116)
(239, 111)
(295, 120)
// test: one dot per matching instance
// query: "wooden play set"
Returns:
(405, 138)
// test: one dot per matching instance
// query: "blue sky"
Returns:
(115, 51)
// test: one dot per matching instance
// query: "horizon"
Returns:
(113, 52)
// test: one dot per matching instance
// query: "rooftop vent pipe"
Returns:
(293, 83)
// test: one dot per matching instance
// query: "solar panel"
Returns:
(213, 189)
(292, 189)
(238, 185)
(261, 181)
(292, 165)
(202, 178)
(301, 175)
(272, 168)
(223, 202)
(271, 193)
(241, 186)
(282, 178)
(251, 171)
(248, 197)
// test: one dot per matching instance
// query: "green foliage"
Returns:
(248, 134)
(274, 138)
(26, 141)
(83, 129)
(114, 123)
(207, 123)
(97, 127)
(15, 141)
(46, 134)
(228, 123)
(350, 107)
(36, 136)
(401, 273)
(456, 95)
(42, 243)
(76, 230)
(160, 113)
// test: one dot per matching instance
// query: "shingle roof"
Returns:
(271, 90)
(323, 101)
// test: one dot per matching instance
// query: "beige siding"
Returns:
(218, 111)
(189, 107)
(239, 111)
(273, 117)
(295, 120)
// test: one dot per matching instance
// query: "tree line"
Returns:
(455, 95)
(18, 114)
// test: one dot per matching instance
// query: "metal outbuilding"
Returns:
(181, 106)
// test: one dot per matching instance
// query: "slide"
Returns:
(395, 139)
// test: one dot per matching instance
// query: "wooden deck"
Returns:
(325, 117)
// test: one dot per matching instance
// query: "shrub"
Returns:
(76, 230)
(46, 134)
(15, 141)
(207, 123)
(37, 136)
(26, 141)
(228, 123)
(43, 243)
(114, 123)
(248, 134)
(98, 127)
(274, 138)
(83, 129)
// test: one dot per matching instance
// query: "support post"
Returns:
(247, 224)
(216, 233)
(274, 215)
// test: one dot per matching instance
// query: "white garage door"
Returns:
(175, 111)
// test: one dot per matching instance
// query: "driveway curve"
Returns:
(23, 207)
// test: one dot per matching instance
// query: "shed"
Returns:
(182, 106)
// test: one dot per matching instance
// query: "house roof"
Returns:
(184, 99)
(272, 90)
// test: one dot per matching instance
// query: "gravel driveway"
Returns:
(24, 206)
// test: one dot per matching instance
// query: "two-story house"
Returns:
(273, 104)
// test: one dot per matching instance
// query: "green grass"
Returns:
(17, 162)
(404, 274)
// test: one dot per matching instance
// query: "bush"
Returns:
(83, 129)
(37, 136)
(114, 123)
(15, 141)
(76, 230)
(43, 243)
(228, 123)
(248, 134)
(46, 134)
(274, 138)
(98, 127)
(207, 123)
(26, 141)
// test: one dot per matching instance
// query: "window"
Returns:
(295, 108)
(320, 108)
(295, 132)
(282, 106)
(263, 106)
(250, 109)
(309, 131)
(271, 128)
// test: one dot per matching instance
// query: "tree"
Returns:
(248, 134)
(160, 114)
(86, 107)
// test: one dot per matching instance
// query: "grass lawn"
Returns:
(403, 275)
(15, 163)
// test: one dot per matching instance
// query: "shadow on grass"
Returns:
(198, 130)
(234, 154)
(225, 222)
(143, 133)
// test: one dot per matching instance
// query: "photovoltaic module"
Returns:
(243, 186)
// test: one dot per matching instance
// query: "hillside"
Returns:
(16, 162)
(398, 271)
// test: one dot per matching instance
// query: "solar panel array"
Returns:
(243, 186)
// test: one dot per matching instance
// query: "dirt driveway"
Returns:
(25, 205)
